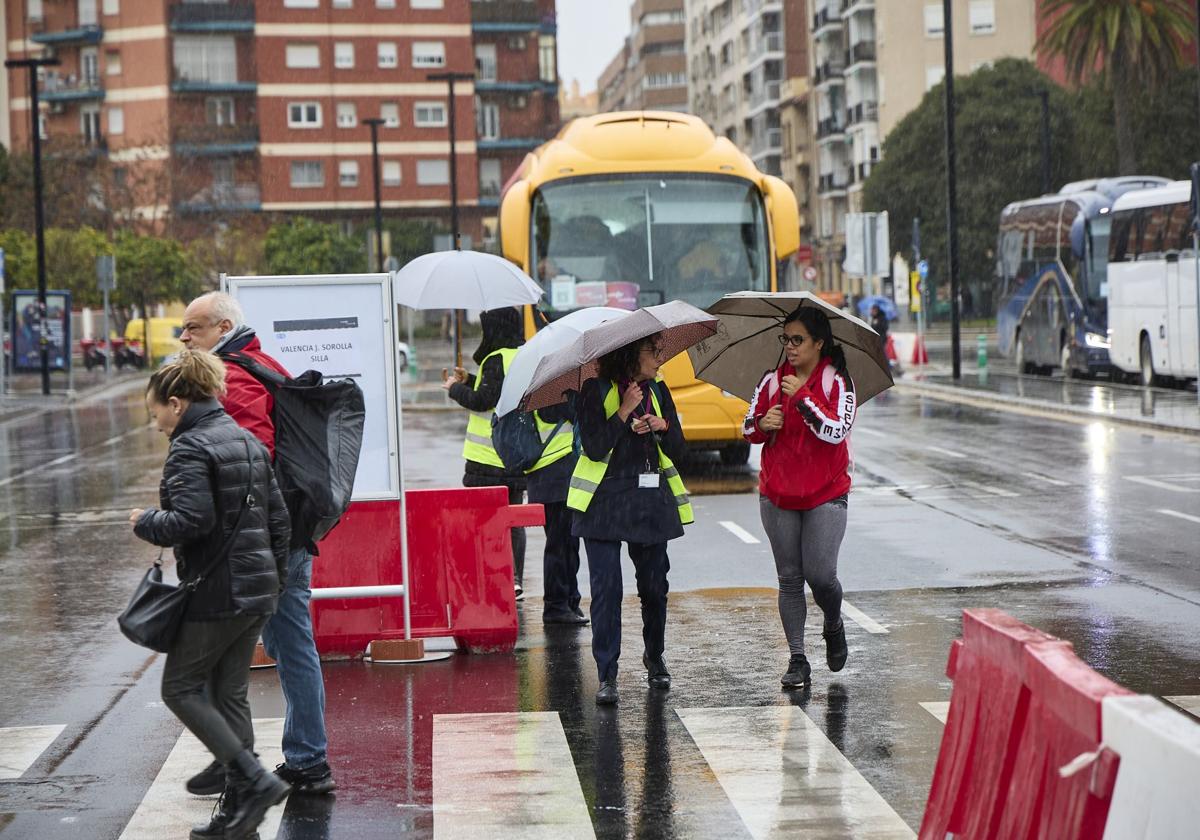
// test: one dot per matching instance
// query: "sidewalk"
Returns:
(24, 396)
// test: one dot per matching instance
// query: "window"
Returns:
(664, 80)
(487, 121)
(429, 114)
(934, 74)
(433, 172)
(116, 120)
(347, 115)
(489, 179)
(89, 65)
(89, 125)
(391, 173)
(348, 173)
(112, 7)
(663, 18)
(547, 59)
(385, 4)
(343, 4)
(425, 4)
(983, 17)
(120, 176)
(387, 55)
(42, 126)
(218, 110)
(205, 59)
(343, 55)
(934, 20)
(308, 173)
(303, 56)
(112, 62)
(485, 62)
(301, 4)
(389, 112)
(222, 176)
(429, 54)
(304, 115)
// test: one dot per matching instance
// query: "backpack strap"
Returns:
(270, 379)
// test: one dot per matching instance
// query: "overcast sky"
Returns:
(589, 34)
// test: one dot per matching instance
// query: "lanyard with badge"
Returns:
(649, 476)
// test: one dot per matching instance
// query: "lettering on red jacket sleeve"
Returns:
(829, 422)
(750, 430)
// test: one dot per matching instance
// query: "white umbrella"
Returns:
(679, 323)
(463, 280)
(550, 338)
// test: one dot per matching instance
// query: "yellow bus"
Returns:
(634, 209)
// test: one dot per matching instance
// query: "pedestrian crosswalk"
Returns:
(21, 745)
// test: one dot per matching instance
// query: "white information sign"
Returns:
(342, 326)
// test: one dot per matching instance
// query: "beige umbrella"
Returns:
(746, 346)
(679, 325)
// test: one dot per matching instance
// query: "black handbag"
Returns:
(157, 609)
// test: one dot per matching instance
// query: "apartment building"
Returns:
(738, 59)
(872, 63)
(649, 72)
(795, 154)
(258, 105)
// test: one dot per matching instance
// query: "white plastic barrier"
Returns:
(1155, 794)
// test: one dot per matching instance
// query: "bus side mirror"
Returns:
(514, 225)
(785, 216)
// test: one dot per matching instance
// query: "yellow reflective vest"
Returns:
(478, 445)
(588, 473)
(558, 445)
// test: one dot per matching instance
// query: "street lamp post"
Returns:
(951, 192)
(450, 78)
(374, 123)
(39, 221)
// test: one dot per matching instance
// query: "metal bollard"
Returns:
(981, 351)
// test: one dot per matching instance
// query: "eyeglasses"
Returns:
(794, 340)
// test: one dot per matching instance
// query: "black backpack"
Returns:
(516, 440)
(318, 437)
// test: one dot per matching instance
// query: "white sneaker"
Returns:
(518, 592)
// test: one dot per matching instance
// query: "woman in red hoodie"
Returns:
(802, 413)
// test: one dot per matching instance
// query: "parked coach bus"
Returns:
(638, 208)
(1152, 283)
(1051, 277)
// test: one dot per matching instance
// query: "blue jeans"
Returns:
(288, 639)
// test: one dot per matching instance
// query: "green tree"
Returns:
(153, 270)
(998, 119)
(1136, 44)
(71, 262)
(303, 246)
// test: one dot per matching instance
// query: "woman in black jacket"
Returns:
(626, 488)
(218, 499)
(503, 333)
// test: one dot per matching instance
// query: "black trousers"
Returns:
(517, 497)
(206, 679)
(604, 567)
(560, 563)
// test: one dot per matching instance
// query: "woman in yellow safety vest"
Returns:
(625, 488)
(503, 333)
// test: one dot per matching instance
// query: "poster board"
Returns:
(343, 326)
(27, 348)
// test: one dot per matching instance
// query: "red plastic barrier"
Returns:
(1023, 706)
(460, 570)
(919, 354)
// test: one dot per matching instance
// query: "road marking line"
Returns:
(1052, 481)
(1178, 515)
(1188, 702)
(740, 532)
(1162, 485)
(168, 810)
(862, 619)
(948, 452)
(939, 709)
(871, 432)
(65, 458)
(786, 778)
(494, 772)
(20, 747)
(988, 488)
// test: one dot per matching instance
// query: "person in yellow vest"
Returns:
(503, 333)
(625, 488)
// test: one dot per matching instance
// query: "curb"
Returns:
(21, 406)
(990, 399)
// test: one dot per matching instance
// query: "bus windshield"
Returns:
(643, 240)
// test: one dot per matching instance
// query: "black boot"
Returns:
(656, 672)
(836, 650)
(209, 781)
(221, 815)
(798, 673)
(257, 790)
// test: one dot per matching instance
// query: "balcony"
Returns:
(70, 89)
(223, 198)
(833, 182)
(770, 42)
(827, 21)
(828, 72)
(829, 128)
(237, 16)
(857, 7)
(767, 142)
(183, 84)
(515, 87)
(863, 51)
(862, 112)
(215, 140)
(509, 16)
(89, 33)
(864, 170)
(768, 92)
(509, 144)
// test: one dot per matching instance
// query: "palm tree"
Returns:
(1130, 43)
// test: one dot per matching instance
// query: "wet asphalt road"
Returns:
(1085, 530)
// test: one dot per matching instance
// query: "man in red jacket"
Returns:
(214, 322)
